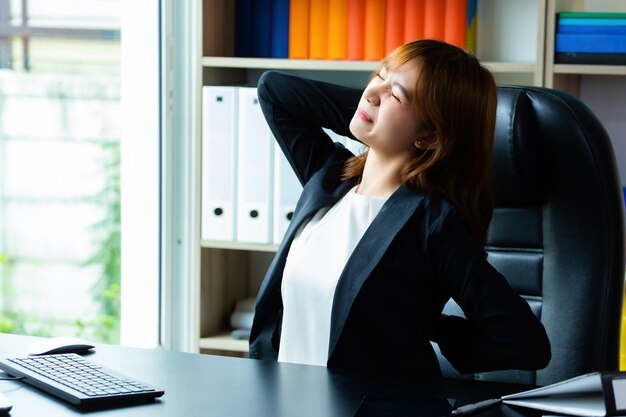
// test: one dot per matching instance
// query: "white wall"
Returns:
(606, 96)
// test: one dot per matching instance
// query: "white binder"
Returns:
(254, 175)
(219, 140)
(287, 190)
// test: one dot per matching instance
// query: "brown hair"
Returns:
(456, 99)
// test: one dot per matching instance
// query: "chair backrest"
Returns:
(557, 232)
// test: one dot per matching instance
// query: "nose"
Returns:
(372, 95)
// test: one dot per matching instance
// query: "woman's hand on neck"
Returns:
(381, 174)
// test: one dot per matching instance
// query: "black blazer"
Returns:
(416, 254)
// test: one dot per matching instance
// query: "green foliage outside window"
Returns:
(105, 327)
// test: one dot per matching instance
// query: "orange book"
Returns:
(433, 19)
(394, 25)
(299, 29)
(454, 24)
(413, 20)
(375, 29)
(318, 29)
(337, 29)
(356, 30)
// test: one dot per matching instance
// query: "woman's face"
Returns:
(386, 119)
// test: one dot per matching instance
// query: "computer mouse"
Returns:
(59, 345)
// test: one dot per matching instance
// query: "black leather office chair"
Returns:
(557, 232)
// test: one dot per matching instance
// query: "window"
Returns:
(63, 141)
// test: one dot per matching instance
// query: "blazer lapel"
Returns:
(323, 189)
(368, 253)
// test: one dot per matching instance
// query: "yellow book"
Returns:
(299, 29)
(375, 29)
(318, 29)
(338, 29)
(622, 347)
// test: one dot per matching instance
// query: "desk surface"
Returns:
(204, 385)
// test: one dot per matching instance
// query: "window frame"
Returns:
(181, 52)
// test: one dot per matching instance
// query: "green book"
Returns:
(591, 15)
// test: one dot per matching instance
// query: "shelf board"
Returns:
(590, 69)
(289, 64)
(214, 244)
(509, 67)
(224, 342)
(336, 65)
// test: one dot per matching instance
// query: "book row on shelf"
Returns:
(249, 191)
(347, 29)
(591, 38)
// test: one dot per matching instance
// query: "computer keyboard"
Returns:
(77, 380)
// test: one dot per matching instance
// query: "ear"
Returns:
(426, 141)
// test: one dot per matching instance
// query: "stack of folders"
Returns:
(596, 394)
(591, 38)
(249, 191)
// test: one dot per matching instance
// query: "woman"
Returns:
(379, 242)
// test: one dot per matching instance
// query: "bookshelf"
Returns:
(601, 87)
(569, 77)
(515, 42)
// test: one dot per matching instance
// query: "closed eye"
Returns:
(390, 91)
(378, 75)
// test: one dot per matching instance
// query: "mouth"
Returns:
(363, 116)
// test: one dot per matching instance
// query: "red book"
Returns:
(455, 22)
(413, 20)
(394, 25)
(434, 11)
(356, 30)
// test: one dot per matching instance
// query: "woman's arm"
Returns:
(501, 331)
(297, 109)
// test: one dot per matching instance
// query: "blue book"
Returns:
(243, 28)
(262, 29)
(591, 22)
(568, 42)
(606, 30)
(280, 29)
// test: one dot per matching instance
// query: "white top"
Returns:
(316, 259)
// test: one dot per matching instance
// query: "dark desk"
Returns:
(203, 385)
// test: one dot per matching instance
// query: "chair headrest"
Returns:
(518, 162)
